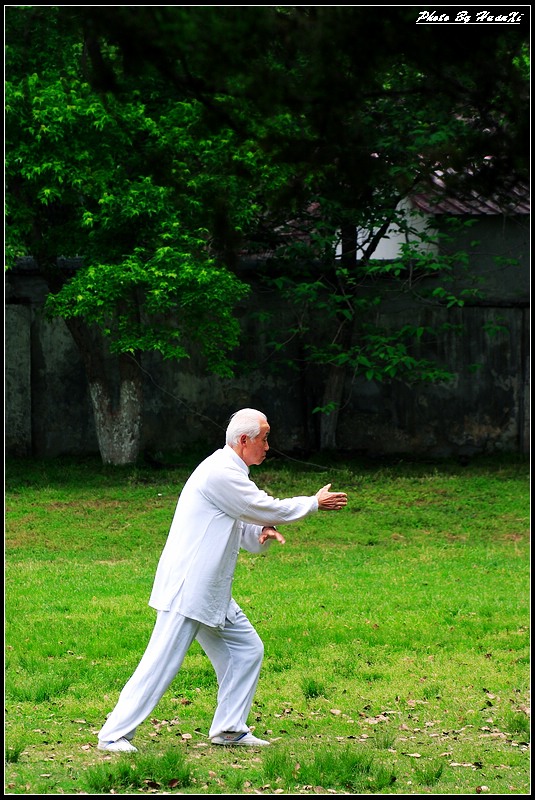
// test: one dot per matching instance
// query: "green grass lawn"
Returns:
(396, 632)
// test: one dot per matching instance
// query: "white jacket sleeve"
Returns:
(249, 539)
(239, 497)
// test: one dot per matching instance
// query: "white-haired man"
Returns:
(219, 511)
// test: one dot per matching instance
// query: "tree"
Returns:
(235, 127)
(78, 187)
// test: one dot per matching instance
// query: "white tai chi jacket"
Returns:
(219, 510)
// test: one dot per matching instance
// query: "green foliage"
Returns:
(156, 145)
(79, 187)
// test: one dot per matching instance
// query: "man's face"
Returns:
(255, 450)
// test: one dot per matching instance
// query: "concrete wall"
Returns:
(17, 380)
(485, 410)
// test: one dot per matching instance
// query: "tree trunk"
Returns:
(118, 425)
(334, 385)
(332, 396)
(115, 388)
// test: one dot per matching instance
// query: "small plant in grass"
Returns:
(118, 775)
(135, 773)
(13, 752)
(40, 689)
(518, 724)
(234, 781)
(346, 769)
(312, 688)
(328, 768)
(430, 692)
(384, 738)
(428, 773)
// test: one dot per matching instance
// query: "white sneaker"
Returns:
(120, 746)
(244, 739)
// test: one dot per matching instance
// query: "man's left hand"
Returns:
(270, 533)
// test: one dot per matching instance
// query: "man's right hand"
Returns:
(330, 501)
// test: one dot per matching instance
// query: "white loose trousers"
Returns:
(235, 651)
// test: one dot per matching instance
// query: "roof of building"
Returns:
(441, 200)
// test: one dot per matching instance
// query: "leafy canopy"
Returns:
(157, 144)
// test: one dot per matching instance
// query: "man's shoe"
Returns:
(243, 739)
(120, 746)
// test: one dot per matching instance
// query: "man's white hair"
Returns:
(245, 421)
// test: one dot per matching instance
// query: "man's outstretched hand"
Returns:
(330, 501)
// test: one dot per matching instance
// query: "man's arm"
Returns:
(327, 501)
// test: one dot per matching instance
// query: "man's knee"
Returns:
(256, 649)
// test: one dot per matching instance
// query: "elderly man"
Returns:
(219, 510)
